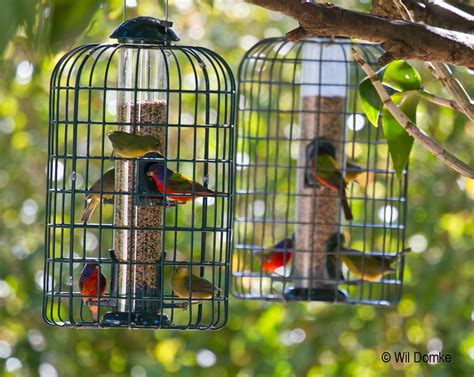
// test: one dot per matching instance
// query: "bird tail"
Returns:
(93, 202)
(333, 265)
(333, 241)
(345, 206)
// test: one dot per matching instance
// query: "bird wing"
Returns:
(109, 182)
(103, 284)
(328, 173)
(200, 285)
(81, 283)
(183, 184)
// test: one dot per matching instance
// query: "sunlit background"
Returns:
(262, 339)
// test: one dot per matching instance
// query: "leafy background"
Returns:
(261, 339)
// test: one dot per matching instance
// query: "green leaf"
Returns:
(371, 103)
(399, 141)
(401, 76)
(13, 14)
(70, 20)
(397, 76)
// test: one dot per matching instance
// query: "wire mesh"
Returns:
(138, 237)
(299, 113)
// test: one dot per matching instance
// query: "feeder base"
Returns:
(314, 294)
(134, 319)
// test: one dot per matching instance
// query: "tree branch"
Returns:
(401, 39)
(426, 141)
(431, 12)
(464, 6)
(433, 99)
(440, 70)
(443, 73)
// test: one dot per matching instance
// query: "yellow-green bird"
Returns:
(364, 266)
(324, 169)
(107, 181)
(131, 146)
(352, 170)
(197, 288)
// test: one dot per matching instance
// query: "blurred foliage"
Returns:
(261, 339)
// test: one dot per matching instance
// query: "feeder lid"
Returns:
(145, 30)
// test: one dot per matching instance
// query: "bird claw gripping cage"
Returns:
(138, 129)
(320, 214)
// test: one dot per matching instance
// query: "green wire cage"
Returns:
(139, 183)
(320, 214)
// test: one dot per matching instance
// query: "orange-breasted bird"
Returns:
(364, 266)
(279, 256)
(107, 181)
(176, 183)
(324, 169)
(92, 283)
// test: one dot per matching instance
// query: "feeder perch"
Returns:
(138, 235)
(302, 138)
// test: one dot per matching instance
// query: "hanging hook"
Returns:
(124, 10)
(166, 10)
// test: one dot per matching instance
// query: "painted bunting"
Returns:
(324, 169)
(199, 288)
(364, 266)
(131, 146)
(92, 283)
(176, 183)
(279, 256)
(93, 198)
(352, 170)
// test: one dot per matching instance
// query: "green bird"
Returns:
(131, 146)
(107, 181)
(194, 287)
(324, 169)
(363, 266)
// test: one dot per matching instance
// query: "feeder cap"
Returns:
(145, 30)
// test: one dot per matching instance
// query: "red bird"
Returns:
(92, 283)
(176, 183)
(279, 257)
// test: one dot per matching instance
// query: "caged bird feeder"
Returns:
(140, 183)
(320, 213)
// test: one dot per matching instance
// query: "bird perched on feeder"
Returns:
(279, 256)
(324, 169)
(131, 146)
(194, 287)
(363, 266)
(105, 184)
(92, 283)
(176, 183)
